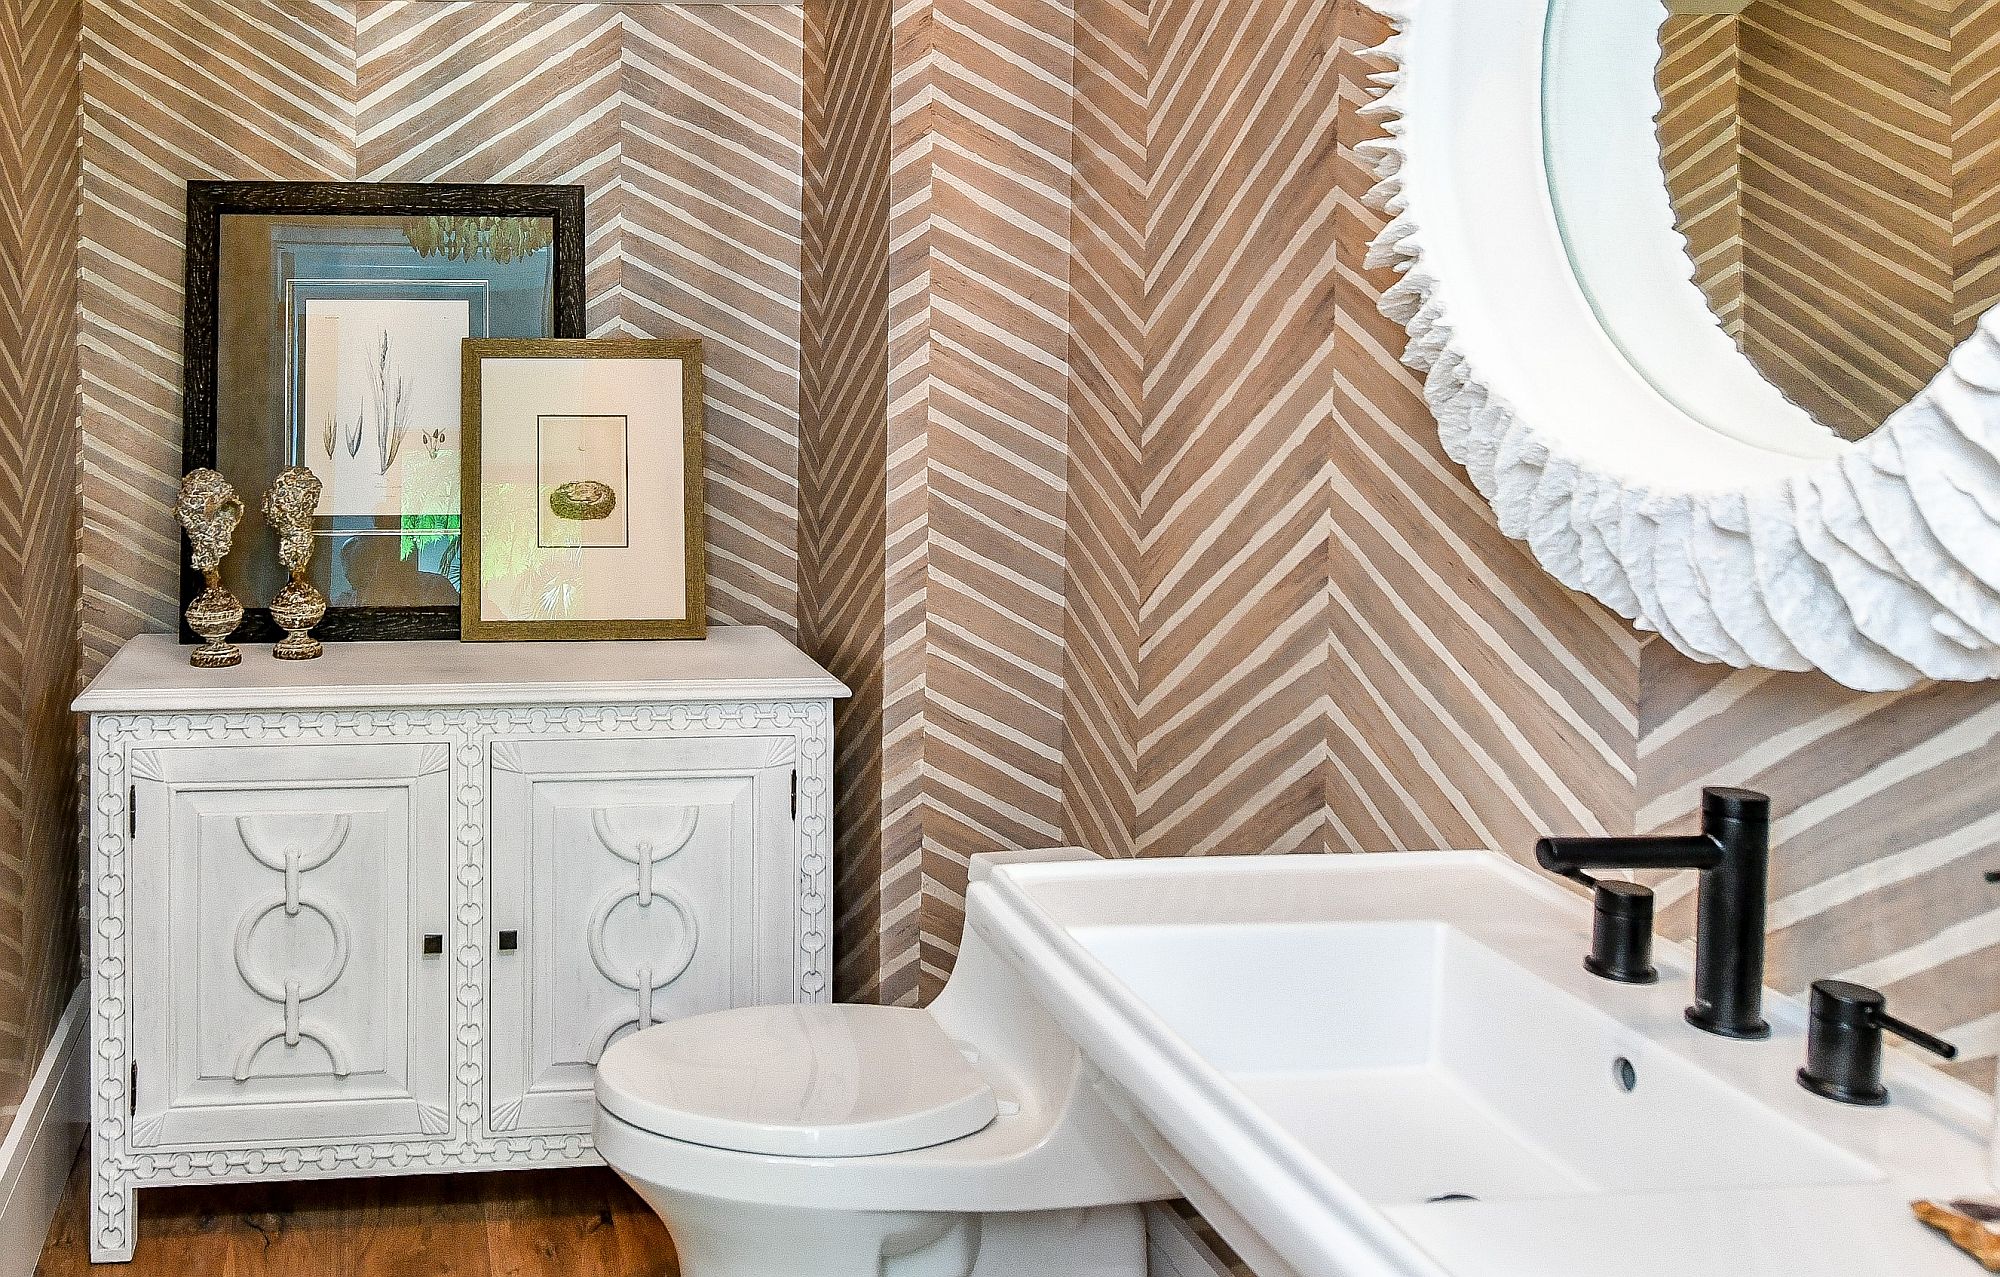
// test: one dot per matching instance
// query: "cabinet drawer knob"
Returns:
(509, 941)
(433, 945)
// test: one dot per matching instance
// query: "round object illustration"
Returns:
(584, 501)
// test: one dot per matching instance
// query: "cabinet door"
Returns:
(634, 881)
(281, 988)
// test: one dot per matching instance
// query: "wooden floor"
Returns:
(556, 1223)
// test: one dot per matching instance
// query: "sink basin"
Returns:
(1365, 1066)
(1419, 1065)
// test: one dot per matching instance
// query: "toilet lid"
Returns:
(798, 1081)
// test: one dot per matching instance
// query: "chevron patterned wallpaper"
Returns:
(1238, 595)
(843, 458)
(684, 122)
(1474, 700)
(1109, 320)
(1975, 151)
(169, 94)
(978, 392)
(1288, 625)
(38, 397)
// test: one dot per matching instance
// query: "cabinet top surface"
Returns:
(734, 663)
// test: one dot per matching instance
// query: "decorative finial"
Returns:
(288, 508)
(209, 511)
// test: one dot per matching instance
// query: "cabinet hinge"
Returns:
(132, 1092)
(795, 794)
(132, 812)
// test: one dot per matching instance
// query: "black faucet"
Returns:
(1844, 1043)
(1733, 852)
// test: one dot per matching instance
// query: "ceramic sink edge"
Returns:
(1315, 1221)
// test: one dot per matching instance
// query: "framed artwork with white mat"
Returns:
(582, 474)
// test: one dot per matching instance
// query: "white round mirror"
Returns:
(1700, 306)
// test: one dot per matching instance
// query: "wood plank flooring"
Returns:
(546, 1223)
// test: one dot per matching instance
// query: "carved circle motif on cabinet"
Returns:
(459, 736)
(643, 978)
(289, 991)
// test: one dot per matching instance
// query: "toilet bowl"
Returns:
(965, 1140)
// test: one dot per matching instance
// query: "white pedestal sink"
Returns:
(1397, 1065)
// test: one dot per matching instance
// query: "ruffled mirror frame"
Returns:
(1578, 375)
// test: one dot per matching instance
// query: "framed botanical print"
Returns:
(582, 466)
(324, 322)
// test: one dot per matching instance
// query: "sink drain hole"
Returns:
(1450, 1197)
(1625, 1074)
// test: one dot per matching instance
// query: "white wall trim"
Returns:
(1175, 1250)
(41, 1145)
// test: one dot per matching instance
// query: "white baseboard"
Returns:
(41, 1145)
(1175, 1249)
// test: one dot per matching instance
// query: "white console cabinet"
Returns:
(381, 912)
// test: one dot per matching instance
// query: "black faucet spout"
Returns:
(1733, 853)
(1571, 856)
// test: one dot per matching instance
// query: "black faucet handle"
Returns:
(1621, 933)
(1844, 1043)
(1917, 1037)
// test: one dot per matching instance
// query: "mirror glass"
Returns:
(1834, 170)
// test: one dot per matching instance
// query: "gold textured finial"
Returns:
(209, 511)
(288, 508)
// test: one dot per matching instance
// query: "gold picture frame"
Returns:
(509, 585)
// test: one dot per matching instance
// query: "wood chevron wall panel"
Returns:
(979, 334)
(39, 176)
(1055, 412)
(1473, 700)
(1289, 624)
(684, 123)
(906, 653)
(1239, 432)
(1109, 319)
(1888, 813)
(534, 94)
(258, 89)
(713, 245)
(844, 447)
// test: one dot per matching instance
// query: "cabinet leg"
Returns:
(114, 1217)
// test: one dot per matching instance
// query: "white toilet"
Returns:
(860, 1141)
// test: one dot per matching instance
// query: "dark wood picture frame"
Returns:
(208, 203)
(694, 398)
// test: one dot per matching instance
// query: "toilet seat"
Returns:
(798, 1081)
